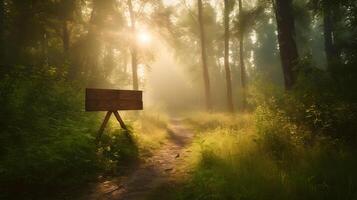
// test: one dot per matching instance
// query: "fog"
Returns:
(168, 85)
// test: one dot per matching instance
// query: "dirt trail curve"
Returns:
(163, 167)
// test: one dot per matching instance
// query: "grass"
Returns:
(150, 131)
(235, 160)
(120, 148)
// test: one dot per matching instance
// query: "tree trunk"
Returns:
(243, 75)
(134, 61)
(287, 46)
(204, 58)
(331, 52)
(226, 57)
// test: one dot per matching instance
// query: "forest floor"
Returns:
(163, 167)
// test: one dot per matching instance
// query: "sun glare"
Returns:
(143, 38)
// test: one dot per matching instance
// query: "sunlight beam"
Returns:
(143, 38)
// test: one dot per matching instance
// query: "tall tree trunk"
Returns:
(134, 61)
(243, 75)
(226, 57)
(286, 37)
(331, 52)
(204, 58)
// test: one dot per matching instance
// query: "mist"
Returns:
(168, 85)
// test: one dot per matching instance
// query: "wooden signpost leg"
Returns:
(102, 127)
(119, 120)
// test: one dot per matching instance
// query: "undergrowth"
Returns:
(297, 144)
(263, 160)
(47, 141)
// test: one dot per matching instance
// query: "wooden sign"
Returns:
(112, 101)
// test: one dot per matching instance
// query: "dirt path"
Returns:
(163, 167)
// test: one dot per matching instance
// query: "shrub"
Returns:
(46, 139)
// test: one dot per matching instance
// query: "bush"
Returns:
(46, 139)
(316, 106)
(116, 149)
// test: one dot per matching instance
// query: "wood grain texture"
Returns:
(112, 100)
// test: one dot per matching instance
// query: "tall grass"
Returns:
(245, 157)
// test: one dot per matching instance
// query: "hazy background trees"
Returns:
(115, 44)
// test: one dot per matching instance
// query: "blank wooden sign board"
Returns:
(112, 101)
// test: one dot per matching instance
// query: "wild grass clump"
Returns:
(150, 131)
(201, 121)
(231, 165)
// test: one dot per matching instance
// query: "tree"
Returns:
(286, 38)
(329, 34)
(327, 9)
(243, 75)
(204, 57)
(226, 57)
(244, 23)
(266, 54)
(67, 9)
(134, 51)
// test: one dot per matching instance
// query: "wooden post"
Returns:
(120, 120)
(112, 101)
(102, 127)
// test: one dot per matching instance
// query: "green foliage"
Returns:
(318, 106)
(324, 105)
(47, 141)
(46, 138)
(116, 150)
(279, 137)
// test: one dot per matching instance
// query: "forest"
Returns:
(241, 99)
